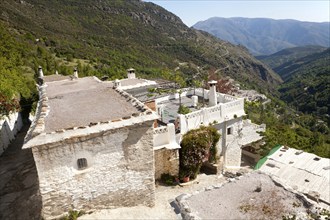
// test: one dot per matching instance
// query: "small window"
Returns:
(229, 130)
(82, 163)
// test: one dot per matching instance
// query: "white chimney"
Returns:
(116, 83)
(131, 73)
(75, 73)
(41, 74)
(212, 93)
(194, 99)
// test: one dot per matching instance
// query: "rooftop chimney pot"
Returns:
(41, 73)
(131, 73)
(75, 72)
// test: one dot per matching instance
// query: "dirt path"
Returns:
(19, 187)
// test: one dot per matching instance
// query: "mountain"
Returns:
(307, 84)
(290, 54)
(263, 36)
(110, 36)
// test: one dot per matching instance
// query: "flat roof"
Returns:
(303, 171)
(51, 78)
(82, 101)
(131, 82)
(143, 94)
(171, 107)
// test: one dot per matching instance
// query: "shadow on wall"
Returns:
(9, 127)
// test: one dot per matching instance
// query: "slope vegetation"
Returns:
(114, 35)
(307, 83)
(290, 54)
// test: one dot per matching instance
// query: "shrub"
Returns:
(167, 179)
(197, 146)
(184, 110)
(73, 215)
(7, 105)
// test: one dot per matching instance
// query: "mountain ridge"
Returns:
(264, 36)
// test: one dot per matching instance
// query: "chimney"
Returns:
(75, 73)
(131, 73)
(213, 93)
(41, 74)
(116, 83)
(194, 99)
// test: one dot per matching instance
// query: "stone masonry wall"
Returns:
(120, 171)
(166, 161)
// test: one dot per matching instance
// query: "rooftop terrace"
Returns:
(51, 78)
(82, 106)
(81, 102)
(170, 108)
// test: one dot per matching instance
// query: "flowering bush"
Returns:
(8, 105)
(197, 146)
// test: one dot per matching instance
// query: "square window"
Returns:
(82, 163)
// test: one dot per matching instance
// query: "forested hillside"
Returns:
(115, 35)
(264, 36)
(306, 89)
(14, 84)
(306, 75)
(307, 85)
(289, 54)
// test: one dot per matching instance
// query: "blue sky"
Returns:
(192, 11)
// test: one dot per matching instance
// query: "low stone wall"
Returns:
(10, 126)
(120, 171)
(166, 161)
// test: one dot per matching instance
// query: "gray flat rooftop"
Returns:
(82, 101)
(52, 78)
(143, 94)
(171, 107)
(131, 82)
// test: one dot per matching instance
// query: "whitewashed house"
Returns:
(92, 145)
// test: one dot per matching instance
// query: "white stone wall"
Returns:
(229, 145)
(10, 126)
(161, 137)
(166, 161)
(120, 171)
(215, 114)
(164, 137)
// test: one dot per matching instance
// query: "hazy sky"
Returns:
(192, 11)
